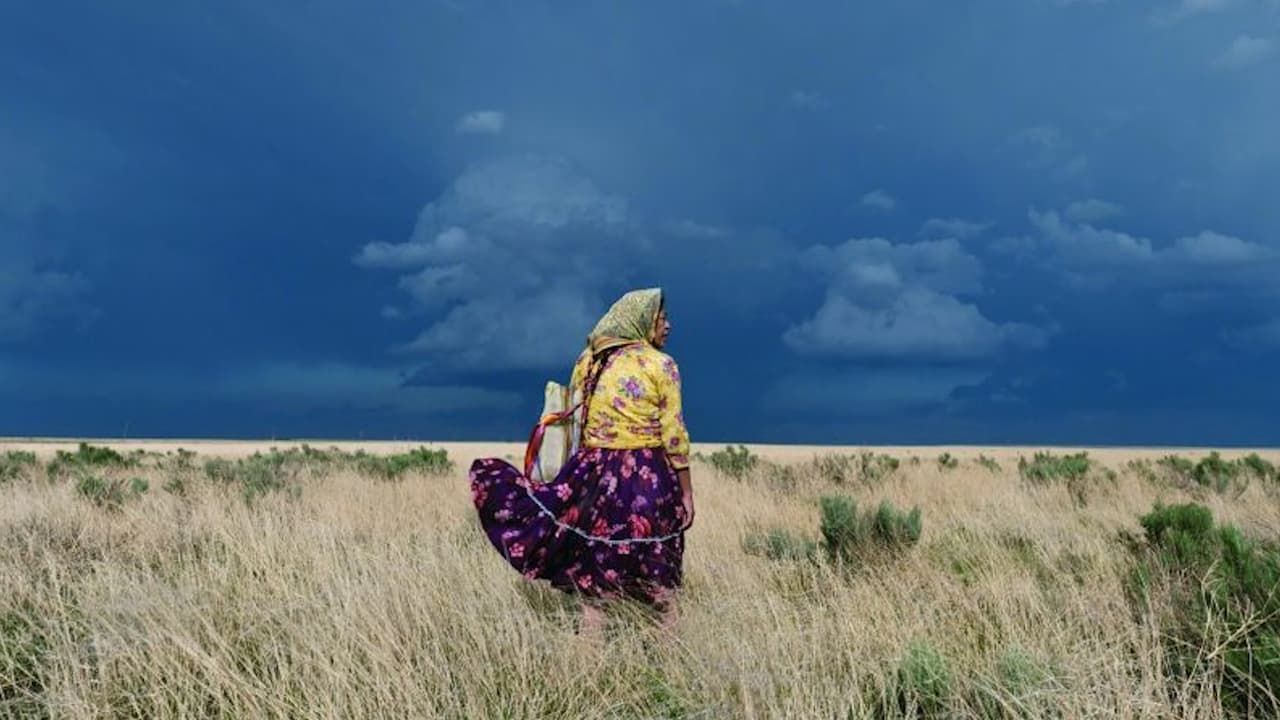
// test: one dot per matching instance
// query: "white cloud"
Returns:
(1087, 246)
(887, 300)
(482, 122)
(1245, 51)
(952, 228)
(512, 262)
(1191, 271)
(1211, 248)
(542, 329)
(450, 244)
(866, 267)
(918, 323)
(879, 200)
(1092, 210)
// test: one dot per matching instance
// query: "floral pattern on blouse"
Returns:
(637, 403)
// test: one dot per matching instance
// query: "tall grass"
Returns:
(355, 597)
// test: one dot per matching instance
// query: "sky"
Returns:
(979, 221)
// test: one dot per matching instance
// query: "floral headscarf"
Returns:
(631, 319)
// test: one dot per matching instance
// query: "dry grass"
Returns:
(373, 599)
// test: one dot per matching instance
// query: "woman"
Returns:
(612, 522)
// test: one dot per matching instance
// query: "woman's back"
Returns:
(636, 403)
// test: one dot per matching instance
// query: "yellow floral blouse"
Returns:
(637, 403)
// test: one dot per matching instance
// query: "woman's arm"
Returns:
(686, 488)
(675, 436)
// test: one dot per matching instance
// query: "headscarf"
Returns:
(631, 319)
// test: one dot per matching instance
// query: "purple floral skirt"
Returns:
(610, 525)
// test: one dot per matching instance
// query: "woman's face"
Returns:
(661, 329)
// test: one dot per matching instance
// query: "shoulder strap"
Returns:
(596, 368)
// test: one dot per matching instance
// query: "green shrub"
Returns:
(1258, 467)
(893, 527)
(88, 458)
(843, 532)
(176, 485)
(185, 459)
(1216, 473)
(1222, 591)
(847, 535)
(110, 493)
(1143, 469)
(779, 544)
(16, 464)
(1072, 471)
(220, 470)
(1047, 467)
(1177, 466)
(989, 463)
(948, 462)
(1019, 672)
(865, 467)
(261, 475)
(735, 462)
(926, 682)
(257, 475)
(1018, 688)
(394, 467)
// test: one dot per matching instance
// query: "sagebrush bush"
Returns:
(257, 475)
(1213, 472)
(779, 544)
(17, 464)
(89, 458)
(1177, 466)
(989, 463)
(1046, 467)
(926, 682)
(735, 462)
(867, 468)
(1072, 471)
(848, 535)
(1216, 473)
(394, 467)
(1259, 468)
(947, 461)
(1224, 601)
(110, 493)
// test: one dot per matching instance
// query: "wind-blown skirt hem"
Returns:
(610, 525)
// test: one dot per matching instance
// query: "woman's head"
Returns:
(639, 315)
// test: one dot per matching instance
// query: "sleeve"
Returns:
(579, 374)
(675, 436)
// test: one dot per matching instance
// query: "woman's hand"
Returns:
(686, 495)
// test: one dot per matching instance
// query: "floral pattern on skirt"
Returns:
(610, 525)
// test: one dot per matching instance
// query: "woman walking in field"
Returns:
(611, 524)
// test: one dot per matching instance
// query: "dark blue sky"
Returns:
(1045, 221)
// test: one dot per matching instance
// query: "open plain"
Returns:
(226, 579)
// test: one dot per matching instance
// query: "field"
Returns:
(353, 582)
